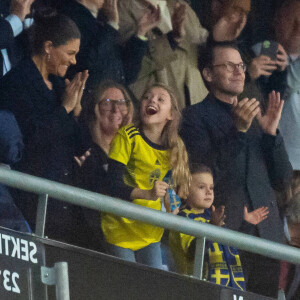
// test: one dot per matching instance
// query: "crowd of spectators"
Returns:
(92, 94)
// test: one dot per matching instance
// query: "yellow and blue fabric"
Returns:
(145, 163)
(224, 265)
(173, 197)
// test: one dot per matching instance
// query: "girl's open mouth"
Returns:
(151, 110)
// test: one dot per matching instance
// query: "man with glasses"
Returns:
(246, 153)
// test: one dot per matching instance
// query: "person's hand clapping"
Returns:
(178, 17)
(270, 120)
(149, 20)
(244, 112)
(74, 91)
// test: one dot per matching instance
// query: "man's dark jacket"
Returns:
(248, 167)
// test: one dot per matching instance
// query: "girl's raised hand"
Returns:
(175, 211)
(218, 215)
(256, 216)
(166, 201)
(159, 190)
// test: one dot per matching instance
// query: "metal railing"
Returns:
(118, 207)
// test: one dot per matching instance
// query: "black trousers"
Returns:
(261, 274)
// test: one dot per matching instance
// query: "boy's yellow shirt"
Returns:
(180, 245)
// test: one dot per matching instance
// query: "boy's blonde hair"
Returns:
(200, 168)
(171, 140)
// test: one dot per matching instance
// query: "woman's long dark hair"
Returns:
(51, 26)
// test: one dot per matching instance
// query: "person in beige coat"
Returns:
(173, 47)
(172, 56)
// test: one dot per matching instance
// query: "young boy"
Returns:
(223, 265)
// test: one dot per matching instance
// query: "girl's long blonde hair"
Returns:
(171, 140)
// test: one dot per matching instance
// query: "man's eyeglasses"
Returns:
(109, 104)
(230, 66)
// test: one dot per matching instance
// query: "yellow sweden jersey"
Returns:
(145, 163)
(180, 244)
(224, 265)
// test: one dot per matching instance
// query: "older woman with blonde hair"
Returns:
(106, 108)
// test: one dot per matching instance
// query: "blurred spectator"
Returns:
(249, 162)
(173, 45)
(108, 108)
(210, 11)
(295, 189)
(265, 73)
(100, 51)
(11, 148)
(261, 19)
(284, 197)
(45, 108)
(12, 23)
(292, 214)
(288, 33)
(42, 4)
(290, 274)
(172, 51)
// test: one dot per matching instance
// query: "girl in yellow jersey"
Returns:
(141, 155)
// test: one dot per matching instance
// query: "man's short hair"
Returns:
(206, 53)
